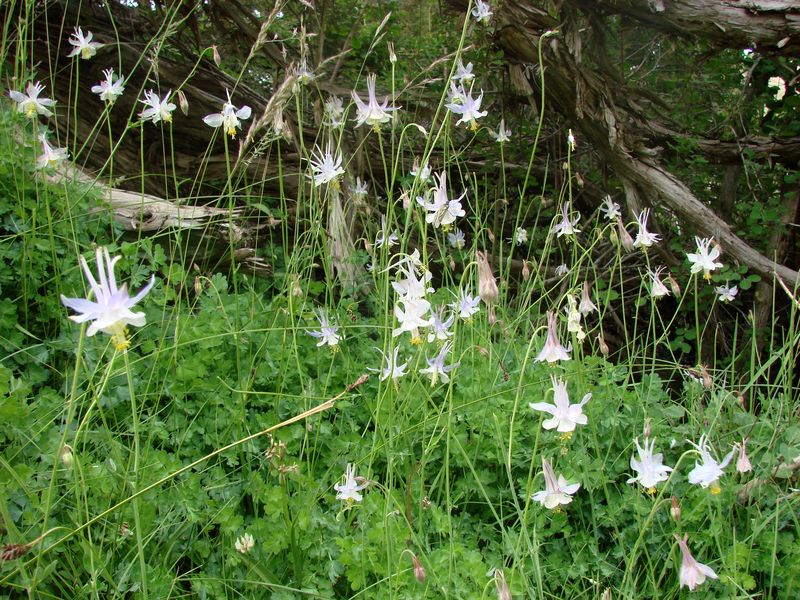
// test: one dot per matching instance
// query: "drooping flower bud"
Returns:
(66, 456)
(503, 593)
(487, 286)
(743, 464)
(624, 237)
(675, 509)
(601, 342)
(526, 271)
(419, 570)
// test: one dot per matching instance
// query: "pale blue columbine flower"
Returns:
(157, 109)
(465, 305)
(230, 117)
(644, 239)
(436, 367)
(372, 112)
(463, 74)
(610, 209)
(109, 89)
(726, 293)
(650, 468)
(708, 472)
(565, 416)
(440, 328)
(326, 168)
(557, 491)
(83, 45)
(552, 351)
(457, 239)
(29, 103)
(411, 286)
(503, 135)
(327, 334)
(391, 369)
(705, 258)
(441, 210)
(468, 108)
(482, 11)
(349, 489)
(110, 312)
(567, 225)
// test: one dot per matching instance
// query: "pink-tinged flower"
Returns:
(650, 468)
(552, 351)
(29, 103)
(436, 367)
(709, 471)
(644, 239)
(557, 491)
(565, 416)
(109, 89)
(567, 226)
(110, 312)
(372, 112)
(692, 573)
(610, 209)
(743, 464)
(586, 306)
(50, 156)
(657, 288)
(501, 586)
(481, 11)
(349, 489)
(83, 45)
(705, 257)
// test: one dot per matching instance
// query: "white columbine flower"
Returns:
(334, 111)
(440, 329)
(610, 209)
(557, 491)
(110, 311)
(657, 288)
(650, 468)
(303, 74)
(392, 369)
(83, 45)
(424, 173)
(571, 141)
(457, 239)
(644, 239)
(482, 11)
(503, 135)
(466, 305)
(327, 334)
(565, 416)
(726, 292)
(463, 74)
(562, 270)
(574, 318)
(411, 317)
(372, 113)
(692, 573)
(704, 259)
(709, 471)
(780, 84)
(436, 367)
(109, 89)
(441, 210)
(381, 238)
(157, 109)
(350, 488)
(229, 118)
(520, 236)
(29, 103)
(586, 306)
(567, 226)
(552, 351)
(469, 108)
(361, 189)
(50, 156)
(326, 168)
(244, 543)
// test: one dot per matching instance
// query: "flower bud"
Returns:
(743, 464)
(198, 285)
(675, 510)
(526, 271)
(624, 237)
(66, 456)
(487, 286)
(647, 427)
(602, 344)
(183, 102)
(419, 570)
(215, 54)
(503, 593)
(676, 289)
(392, 55)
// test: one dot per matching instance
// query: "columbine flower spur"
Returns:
(350, 488)
(29, 103)
(557, 491)
(110, 312)
(230, 117)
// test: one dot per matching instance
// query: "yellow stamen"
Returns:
(121, 341)
(232, 132)
(416, 340)
(707, 276)
(474, 125)
(715, 489)
(651, 490)
(31, 112)
(566, 436)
